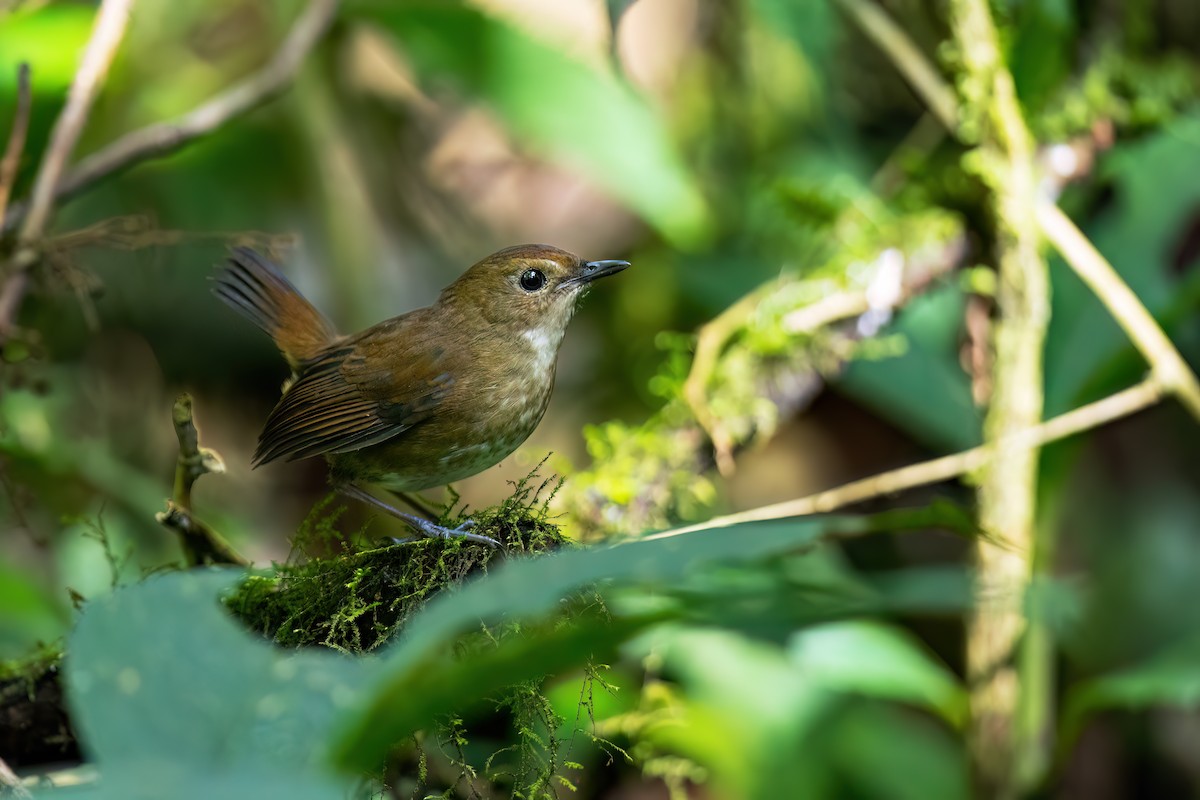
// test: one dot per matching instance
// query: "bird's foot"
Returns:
(423, 526)
(432, 529)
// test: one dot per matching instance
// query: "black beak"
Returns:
(599, 269)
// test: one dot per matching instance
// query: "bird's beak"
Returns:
(599, 269)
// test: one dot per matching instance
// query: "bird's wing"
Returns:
(360, 393)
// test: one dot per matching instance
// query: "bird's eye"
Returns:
(532, 280)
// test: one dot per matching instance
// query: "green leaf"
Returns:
(1169, 678)
(154, 780)
(746, 713)
(554, 103)
(881, 661)
(28, 615)
(871, 743)
(534, 588)
(924, 391)
(49, 39)
(160, 673)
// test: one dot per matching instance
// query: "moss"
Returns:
(766, 368)
(34, 726)
(357, 600)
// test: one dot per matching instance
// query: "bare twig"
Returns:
(16, 139)
(908, 58)
(107, 33)
(201, 544)
(1133, 317)
(1093, 415)
(163, 138)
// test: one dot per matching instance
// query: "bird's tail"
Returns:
(256, 288)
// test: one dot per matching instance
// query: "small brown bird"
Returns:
(425, 398)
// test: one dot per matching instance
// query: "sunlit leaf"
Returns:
(873, 659)
(49, 39)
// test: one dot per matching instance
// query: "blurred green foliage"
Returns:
(773, 149)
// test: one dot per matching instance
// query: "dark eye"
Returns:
(532, 280)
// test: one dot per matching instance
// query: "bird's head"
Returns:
(529, 290)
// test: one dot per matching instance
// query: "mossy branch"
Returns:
(991, 117)
(734, 393)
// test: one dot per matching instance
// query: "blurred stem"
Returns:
(921, 75)
(1004, 752)
(16, 139)
(163, 138)
(354, 233)
(106, 36)
(1167, 364)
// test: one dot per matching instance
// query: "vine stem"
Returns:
(1093, 415)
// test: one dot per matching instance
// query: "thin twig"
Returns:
(1167, 364)
(908, 58)
(97, 57)
(201, 544)
(1093, 415)
(163, 138)
(16, 139)
(1079, 253)
(106, 36)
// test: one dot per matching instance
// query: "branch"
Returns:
(164, 138)
(889, 37)
(201, 544)
(1093, 415)
(97, 57)
(16, 139)
(106, 36)
(1167, 364)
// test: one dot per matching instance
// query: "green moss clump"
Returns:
(355, 601)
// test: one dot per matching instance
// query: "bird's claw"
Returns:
(432, 529)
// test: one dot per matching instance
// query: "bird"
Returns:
(425, 398)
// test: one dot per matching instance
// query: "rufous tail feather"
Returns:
(257, 289)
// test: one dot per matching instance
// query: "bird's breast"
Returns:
(488, 413)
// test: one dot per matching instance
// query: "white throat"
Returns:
(544, 342)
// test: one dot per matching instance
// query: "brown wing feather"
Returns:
(358, 394)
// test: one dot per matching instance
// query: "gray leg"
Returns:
(414, 502)
(422, 526)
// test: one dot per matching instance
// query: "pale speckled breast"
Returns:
(484, 421)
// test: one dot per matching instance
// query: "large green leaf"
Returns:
(535, 588)
(155, 780)
(555, 103)
(159, 673)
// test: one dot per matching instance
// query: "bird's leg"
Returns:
(417, 504)
(422, 526)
